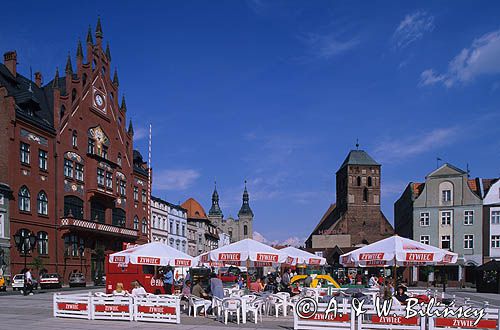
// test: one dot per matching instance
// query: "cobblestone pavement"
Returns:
(35, 312)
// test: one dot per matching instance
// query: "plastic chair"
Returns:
(255, 308)
(198, 303)
(276, 302)
(231, 306)
(217, 305)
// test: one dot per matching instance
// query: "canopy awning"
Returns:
(298, 256)
(155, 253)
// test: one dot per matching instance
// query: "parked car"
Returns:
(50, 280)
(3, 284)
(77, 279)
(18, 282)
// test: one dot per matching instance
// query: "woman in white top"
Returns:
(119, 291)
(138, 290)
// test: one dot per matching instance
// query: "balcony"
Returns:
(96, 227)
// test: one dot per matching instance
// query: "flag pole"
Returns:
(150, 231)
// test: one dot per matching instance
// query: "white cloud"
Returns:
(412, 28)
(140, 133)
(481, 58)
(291, 241)
(327, 46)
(399, 149)
(174, 179)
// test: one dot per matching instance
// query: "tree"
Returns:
(37, 264)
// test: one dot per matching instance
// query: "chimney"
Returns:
(38, 79)
(10, 61)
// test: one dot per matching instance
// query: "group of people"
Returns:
(137, 289)
(387, 290)
(272, 283)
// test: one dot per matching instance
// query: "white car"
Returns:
(18, 282)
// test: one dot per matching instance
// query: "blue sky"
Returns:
(276, 92)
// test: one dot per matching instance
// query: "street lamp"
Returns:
(25, 242)
(81, 249)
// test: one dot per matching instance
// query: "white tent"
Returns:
(298, 256)
(397, 251)
(243, 252)
(155, 253)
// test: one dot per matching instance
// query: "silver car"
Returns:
(77, 279)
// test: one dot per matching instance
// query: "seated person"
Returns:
(119, 291)
(256, 286)
(271, 286)
(137, 289)
(186, 289)
(401, 295)
(198, 291)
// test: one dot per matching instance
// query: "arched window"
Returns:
(144, 226)
(43, 203)
(62, 111)
(74, 139)
(365, 195)
(369, 181)
(42, 242)
(97, 212)
(73, 207)
(245, 230)
(119, 217)
(136, 223)
(358, 181)
(84, 79)
(24, 199)
(73, 95)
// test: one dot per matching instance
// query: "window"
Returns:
(446, 217)
(424, 239)
(424, 219)
(144, 226)
(183, 231)
(104, 152)
(62, 111)
(136, 223)
(109, 180)
(24, 199)
(365, 195)
(136, 194)
(42, 203)
(445, 242)
(468, 217)
(97, 212)
(79, 172)
(446, 195)
(42, 160)
(495, 217)
(245, 230)
(72, 245)
(68, 168)
(74, 139)
(100, 177)
(73, 95)
(118, 217)
(495, 241)
(91, 146)
(468, 241)
(42, 243)
(144, 196)
(369, 181)
(177, 228)
(25, 153)
(73, 207)
(358, 181)
(119, 159)
(123, 188)
(171, 231)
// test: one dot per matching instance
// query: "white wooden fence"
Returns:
(395, 320)
(74, 306)
(164, 308)
(322, 320)
(491, 320)
(111, 307)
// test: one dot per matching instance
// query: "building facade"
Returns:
(203, 235)
(445, 211)
(236, 229)
(5, 197)
(491, 219)
(356, 218)
(169, 224)
(78, 183)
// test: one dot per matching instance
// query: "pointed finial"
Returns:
(357, 144)
(245, 184)
(115, 78)
(98, 28)
(89, 36)
(69, 67)
(79, 49)
(55, 82)
(108, 52)
(130, 128)
(123, 107)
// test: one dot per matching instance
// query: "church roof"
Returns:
(358, 157)
(194, 209)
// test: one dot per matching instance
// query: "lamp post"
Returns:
(81, 249)
(25, 242)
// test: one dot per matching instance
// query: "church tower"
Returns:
(245, 217)
(215, 213)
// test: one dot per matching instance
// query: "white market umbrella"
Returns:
(397, 251)
(243, 252)
(298, 256)
(155, 253)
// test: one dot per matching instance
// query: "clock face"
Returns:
(99, 100)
